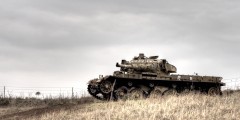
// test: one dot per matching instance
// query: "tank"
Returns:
(144, 77)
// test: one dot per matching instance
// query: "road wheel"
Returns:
(136, 93)
(186, 92)
(214, 91)
(170, 92)
(156, 93)
(121, 93)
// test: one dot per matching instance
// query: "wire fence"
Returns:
(74, 92)
(42, 92)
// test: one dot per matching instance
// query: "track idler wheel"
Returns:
(106, 86)
(214, 91)
(93, 90)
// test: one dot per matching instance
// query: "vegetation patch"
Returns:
(182, 107)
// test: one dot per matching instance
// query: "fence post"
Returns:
(72, 93)
(236, 84)
(4, 91)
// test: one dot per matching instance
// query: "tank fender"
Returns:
(93, 81)
(98, 80)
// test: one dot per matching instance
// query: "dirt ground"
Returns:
(9, 113)
(20, 108)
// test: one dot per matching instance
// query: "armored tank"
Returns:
(144, 77)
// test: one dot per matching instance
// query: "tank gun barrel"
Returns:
(124, 66)
(121, 65)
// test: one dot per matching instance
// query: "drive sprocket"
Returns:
(106, 87)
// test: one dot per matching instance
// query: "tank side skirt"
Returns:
(180, 85)
(168, 81)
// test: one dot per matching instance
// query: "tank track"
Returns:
(95, 94)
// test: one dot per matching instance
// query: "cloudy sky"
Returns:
(68, 42)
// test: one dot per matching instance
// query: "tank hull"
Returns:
(120, 86)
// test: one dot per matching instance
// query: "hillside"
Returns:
(184, 107)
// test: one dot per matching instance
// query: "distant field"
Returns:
(184, 107)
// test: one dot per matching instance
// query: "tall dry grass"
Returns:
(184, 107)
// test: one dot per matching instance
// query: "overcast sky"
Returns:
(68, 42)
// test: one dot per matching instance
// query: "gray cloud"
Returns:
(76, 40)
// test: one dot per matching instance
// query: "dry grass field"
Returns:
(183, 107)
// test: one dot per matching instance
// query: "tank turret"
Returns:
(144, 64)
